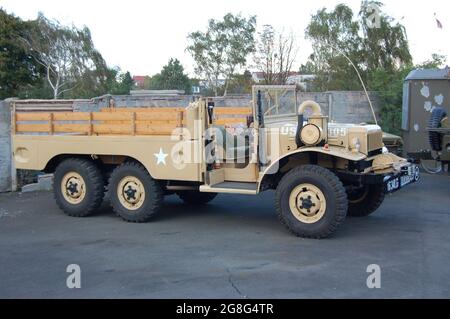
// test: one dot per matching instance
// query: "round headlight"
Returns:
(311, 134)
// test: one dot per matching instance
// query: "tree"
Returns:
(123, 83)
(275, 54)
(333, 34)
(437, 61)
(223, 49)
(339, 34)
(384, 45)
(18, 69)
(171, 77)
(241, 83)
(67, 54)
(389, 86)
(379, 53)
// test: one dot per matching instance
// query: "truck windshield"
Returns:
(277, 101)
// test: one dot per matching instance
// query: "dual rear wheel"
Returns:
(135, 196)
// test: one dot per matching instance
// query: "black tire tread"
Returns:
(434, 138)
(156, 193)
(96, 178)
(374, 200)
(334, 182)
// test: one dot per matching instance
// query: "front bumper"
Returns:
(395, 181)
(391, 181)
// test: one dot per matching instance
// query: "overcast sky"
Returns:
(141, 35)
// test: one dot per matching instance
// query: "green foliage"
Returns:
(68, 56)
(122, 85)
(339, 33)
(171, 77)
(437, 61)
(241, 83)
(44, 59)
(18, 70)
(384, 46)
(380, 54)
(389, 86)
(308, 68)
(223, 48)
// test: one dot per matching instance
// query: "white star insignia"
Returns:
(160, 157)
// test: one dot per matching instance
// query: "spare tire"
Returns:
(435, 138)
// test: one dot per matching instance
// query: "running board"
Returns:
(231, 188)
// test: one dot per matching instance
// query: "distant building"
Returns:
(295, 78)
(304, 81)
(139, 81)
(156, 92)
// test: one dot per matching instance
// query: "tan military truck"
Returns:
(321, 171)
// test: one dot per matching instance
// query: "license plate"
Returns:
(399, 181)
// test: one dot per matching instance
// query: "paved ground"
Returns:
(233, 248)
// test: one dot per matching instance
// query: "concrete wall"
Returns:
(349, 107)
(5, 147)
(155, 101)
(352, 107)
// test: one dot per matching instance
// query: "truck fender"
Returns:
(332, 151)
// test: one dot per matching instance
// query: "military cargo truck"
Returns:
(321, 171)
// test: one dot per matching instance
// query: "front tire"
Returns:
(78, 187)
(365, 201)
(311, 201)
(135, 195)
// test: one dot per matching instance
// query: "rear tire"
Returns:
(365, 201)
(135, 195)
(311, 201)
(196, 197)
(435, 138)
(78, 187)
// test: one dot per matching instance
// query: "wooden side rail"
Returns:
(224, 115)
(100, 123)
(231, 115)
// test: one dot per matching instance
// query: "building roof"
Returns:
(261, 74)
(429, 74)
(157, 92)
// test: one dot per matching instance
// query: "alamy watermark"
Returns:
(374, 279)
(74, 279)
(374, 19)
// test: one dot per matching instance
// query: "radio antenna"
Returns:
(360, 79)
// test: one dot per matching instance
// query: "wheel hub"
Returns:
(73, 187)
(307, 203)
(131, 192)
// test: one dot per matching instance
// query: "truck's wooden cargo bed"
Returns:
(118, 121)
